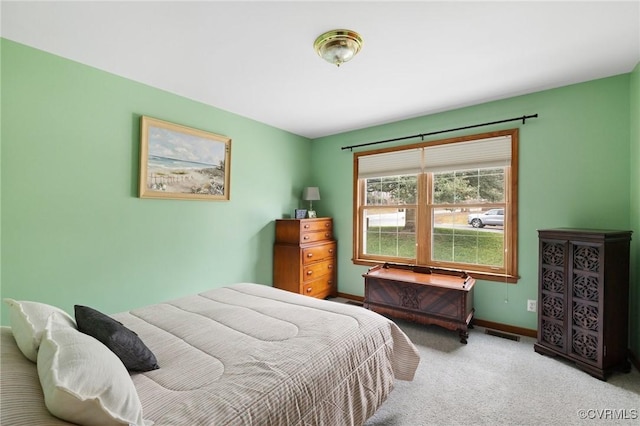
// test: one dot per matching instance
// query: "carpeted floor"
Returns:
(497, 381)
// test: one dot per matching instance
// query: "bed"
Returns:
(245, 354)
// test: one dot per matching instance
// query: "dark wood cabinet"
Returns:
(304, 257)
(583, 296)
(424, 297)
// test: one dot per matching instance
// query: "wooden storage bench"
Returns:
(421, 295)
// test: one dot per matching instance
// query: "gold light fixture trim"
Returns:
(338, 46)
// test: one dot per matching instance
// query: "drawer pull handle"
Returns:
(327, 234)
(309, 290)
(309, 254)
(309, 272)
(306, 226)
(306, 237)
(330, 251)
(330, 266)
(326, 225)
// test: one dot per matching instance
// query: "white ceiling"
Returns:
(256, 58)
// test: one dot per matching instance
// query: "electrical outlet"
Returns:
(532, 305)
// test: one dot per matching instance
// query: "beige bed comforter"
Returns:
(249, 354)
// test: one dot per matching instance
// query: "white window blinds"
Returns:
(475, 154)
(394, 163)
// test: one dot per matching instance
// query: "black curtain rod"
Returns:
(422, 135)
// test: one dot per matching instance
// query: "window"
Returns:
(445, 204)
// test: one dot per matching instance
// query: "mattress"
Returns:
(249, 354)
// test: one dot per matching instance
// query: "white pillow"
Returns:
(83, 381)
(28, 320)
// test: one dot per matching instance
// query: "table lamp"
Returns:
(311, 194)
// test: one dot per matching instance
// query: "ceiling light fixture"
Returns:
(338, 46)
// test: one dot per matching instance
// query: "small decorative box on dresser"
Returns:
(304, 257)
(583, 294)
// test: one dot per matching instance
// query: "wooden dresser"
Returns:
(583, 294)
(304, 257)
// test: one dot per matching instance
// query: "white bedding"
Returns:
(249, 354)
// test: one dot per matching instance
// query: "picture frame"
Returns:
(300, 213)
(182, 163)
(311, 214)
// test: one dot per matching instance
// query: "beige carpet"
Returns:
(496, 381)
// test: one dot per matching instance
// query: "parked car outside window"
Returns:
(494, 217)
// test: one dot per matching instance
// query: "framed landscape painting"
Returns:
(179, 162)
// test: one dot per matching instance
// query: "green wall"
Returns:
(73, 229)
(574, 172)
(635, 211)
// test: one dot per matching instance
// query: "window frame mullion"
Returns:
(423, 225)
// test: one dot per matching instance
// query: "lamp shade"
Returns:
(311, 193)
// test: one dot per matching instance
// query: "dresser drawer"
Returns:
(320, 288)
(321, 224)
(316, 270)
(312, 237)
(304, 231)
(319, 252)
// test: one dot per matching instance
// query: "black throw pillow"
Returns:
(126, 344)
